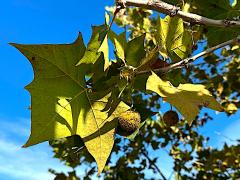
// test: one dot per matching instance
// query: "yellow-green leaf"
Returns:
(187, 98)
(231, 108)
(61, 103)
(104, 48)
(107, 18)
(56, 78)
(120, 44)
(174, 40)
(98, 44)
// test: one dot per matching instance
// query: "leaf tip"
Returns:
(24, 146)
(12, 44)
(99, 171)
(79, 37)
(190, 123)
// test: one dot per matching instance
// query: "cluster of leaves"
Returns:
(193, 158)
(222, 72)
(78, 93)
(218, 164)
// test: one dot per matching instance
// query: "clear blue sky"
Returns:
(44, 21)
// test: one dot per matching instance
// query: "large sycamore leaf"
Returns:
(95, 126)
(187, 98)
(174, 40)
(62, 105)
(55, 78)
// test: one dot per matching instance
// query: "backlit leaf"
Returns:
(120, 44)
(61, 103)
(231, 108)
(98, 44)
(187, 98)
(174, 40)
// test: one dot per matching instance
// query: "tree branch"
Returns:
(172, 10)
(154, 165)
(187, 61)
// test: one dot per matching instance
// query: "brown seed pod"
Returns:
(170, 118)
(159, 63)
(128, 122)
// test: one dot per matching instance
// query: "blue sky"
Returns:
(34, 22)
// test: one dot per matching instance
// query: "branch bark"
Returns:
(187, 61)
(154, 165)
(172, 10)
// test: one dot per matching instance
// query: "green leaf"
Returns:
(213, 8)
(139, 82)
(104, 49)
(98, 44)
(55, 78)
(219, 35)
(120, 44)
(62, 105)
(135, 52)
(151, 57)
(174, 40)
(187, 98)
(234, 3)
(107, 18)
(219, 9)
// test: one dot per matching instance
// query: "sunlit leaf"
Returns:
(187, 98)
(174, 41)
(234, 3)
(120, 44)
(98, 44)
(61, 103)
(231, 108)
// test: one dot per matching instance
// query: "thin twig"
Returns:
(118, 8)
(220, 134)
(172, 10)
(154, 165)
(187, 61)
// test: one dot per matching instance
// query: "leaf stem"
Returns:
(154, 165)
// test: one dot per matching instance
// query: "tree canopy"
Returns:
(79, 94)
